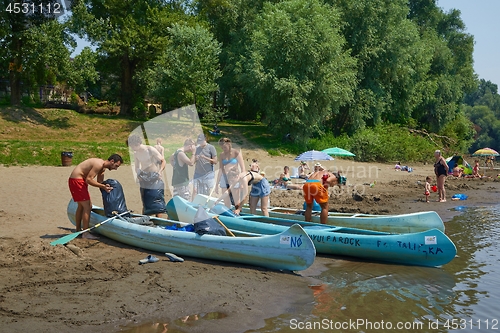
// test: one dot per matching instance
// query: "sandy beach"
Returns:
(95, 286)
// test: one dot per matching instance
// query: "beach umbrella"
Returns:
(486, 152)
(338, 152)
(313, 155)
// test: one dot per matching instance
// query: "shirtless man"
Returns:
(149, 164)
(82, 176)
(316, 188)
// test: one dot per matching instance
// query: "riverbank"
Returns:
(99, 286)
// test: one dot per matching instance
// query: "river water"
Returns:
(358, 296)
(463, 295)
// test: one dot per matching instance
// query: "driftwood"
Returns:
(448, 140)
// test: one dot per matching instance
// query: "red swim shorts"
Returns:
(316, 191)
(79, 189)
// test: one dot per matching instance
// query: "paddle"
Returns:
(209, 196)
(224, 226)
(70, 237)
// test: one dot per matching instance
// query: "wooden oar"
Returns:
(70, 237)
(224, 226)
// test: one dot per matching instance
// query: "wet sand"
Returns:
(98, 285)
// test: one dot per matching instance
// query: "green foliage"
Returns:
(83, 70)
(21, 152)
(461, 132)
(296, 69)
(187, 70)
(487, 125)
(33, 49)
(382, 143)
(129, 37)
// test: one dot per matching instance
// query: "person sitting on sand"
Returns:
(457, 171)
(397, 167)
(285, 176)
(304, 170)
(82, 176)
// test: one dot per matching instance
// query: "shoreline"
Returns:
(101, 286)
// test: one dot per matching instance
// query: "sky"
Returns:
(479, 17)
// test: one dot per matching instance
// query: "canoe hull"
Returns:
(291, 250)
(399, 224)
(427, 248)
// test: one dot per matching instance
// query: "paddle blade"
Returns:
(66, 239)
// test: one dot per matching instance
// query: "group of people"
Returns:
(233, 180)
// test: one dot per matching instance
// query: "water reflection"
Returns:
(463, 290)
(180, 325)
(383, 292)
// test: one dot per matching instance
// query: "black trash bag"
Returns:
(140, 220)
(115, 199)
(153, 199)
(148, 179)
(210, 227)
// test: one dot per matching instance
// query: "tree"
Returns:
(231, 22)
(130, 34)
(296, 69)
(451, 73)
(33, 48)
(187, 70)
(83, 70)
(392, 62)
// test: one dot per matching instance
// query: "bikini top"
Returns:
(230, 161)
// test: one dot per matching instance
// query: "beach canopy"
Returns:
(337, 152)
(313, 155)
(459, 161)
(486, 152)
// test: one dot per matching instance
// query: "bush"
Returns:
(382, 143)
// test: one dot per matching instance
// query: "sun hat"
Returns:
(318, 164)
(201, 138)
(302, 162)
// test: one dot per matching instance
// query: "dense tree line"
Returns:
(306, 67)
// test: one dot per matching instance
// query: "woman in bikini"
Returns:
(285, 176)
(232, 165)
(441, 170)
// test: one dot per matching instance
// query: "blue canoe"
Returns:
(397, 224)
(289, 250)
(428, 248)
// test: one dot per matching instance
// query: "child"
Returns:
(427, 188)
(475, 170)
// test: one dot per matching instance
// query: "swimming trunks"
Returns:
(314, 190)
(79, 189)
(427, 193)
